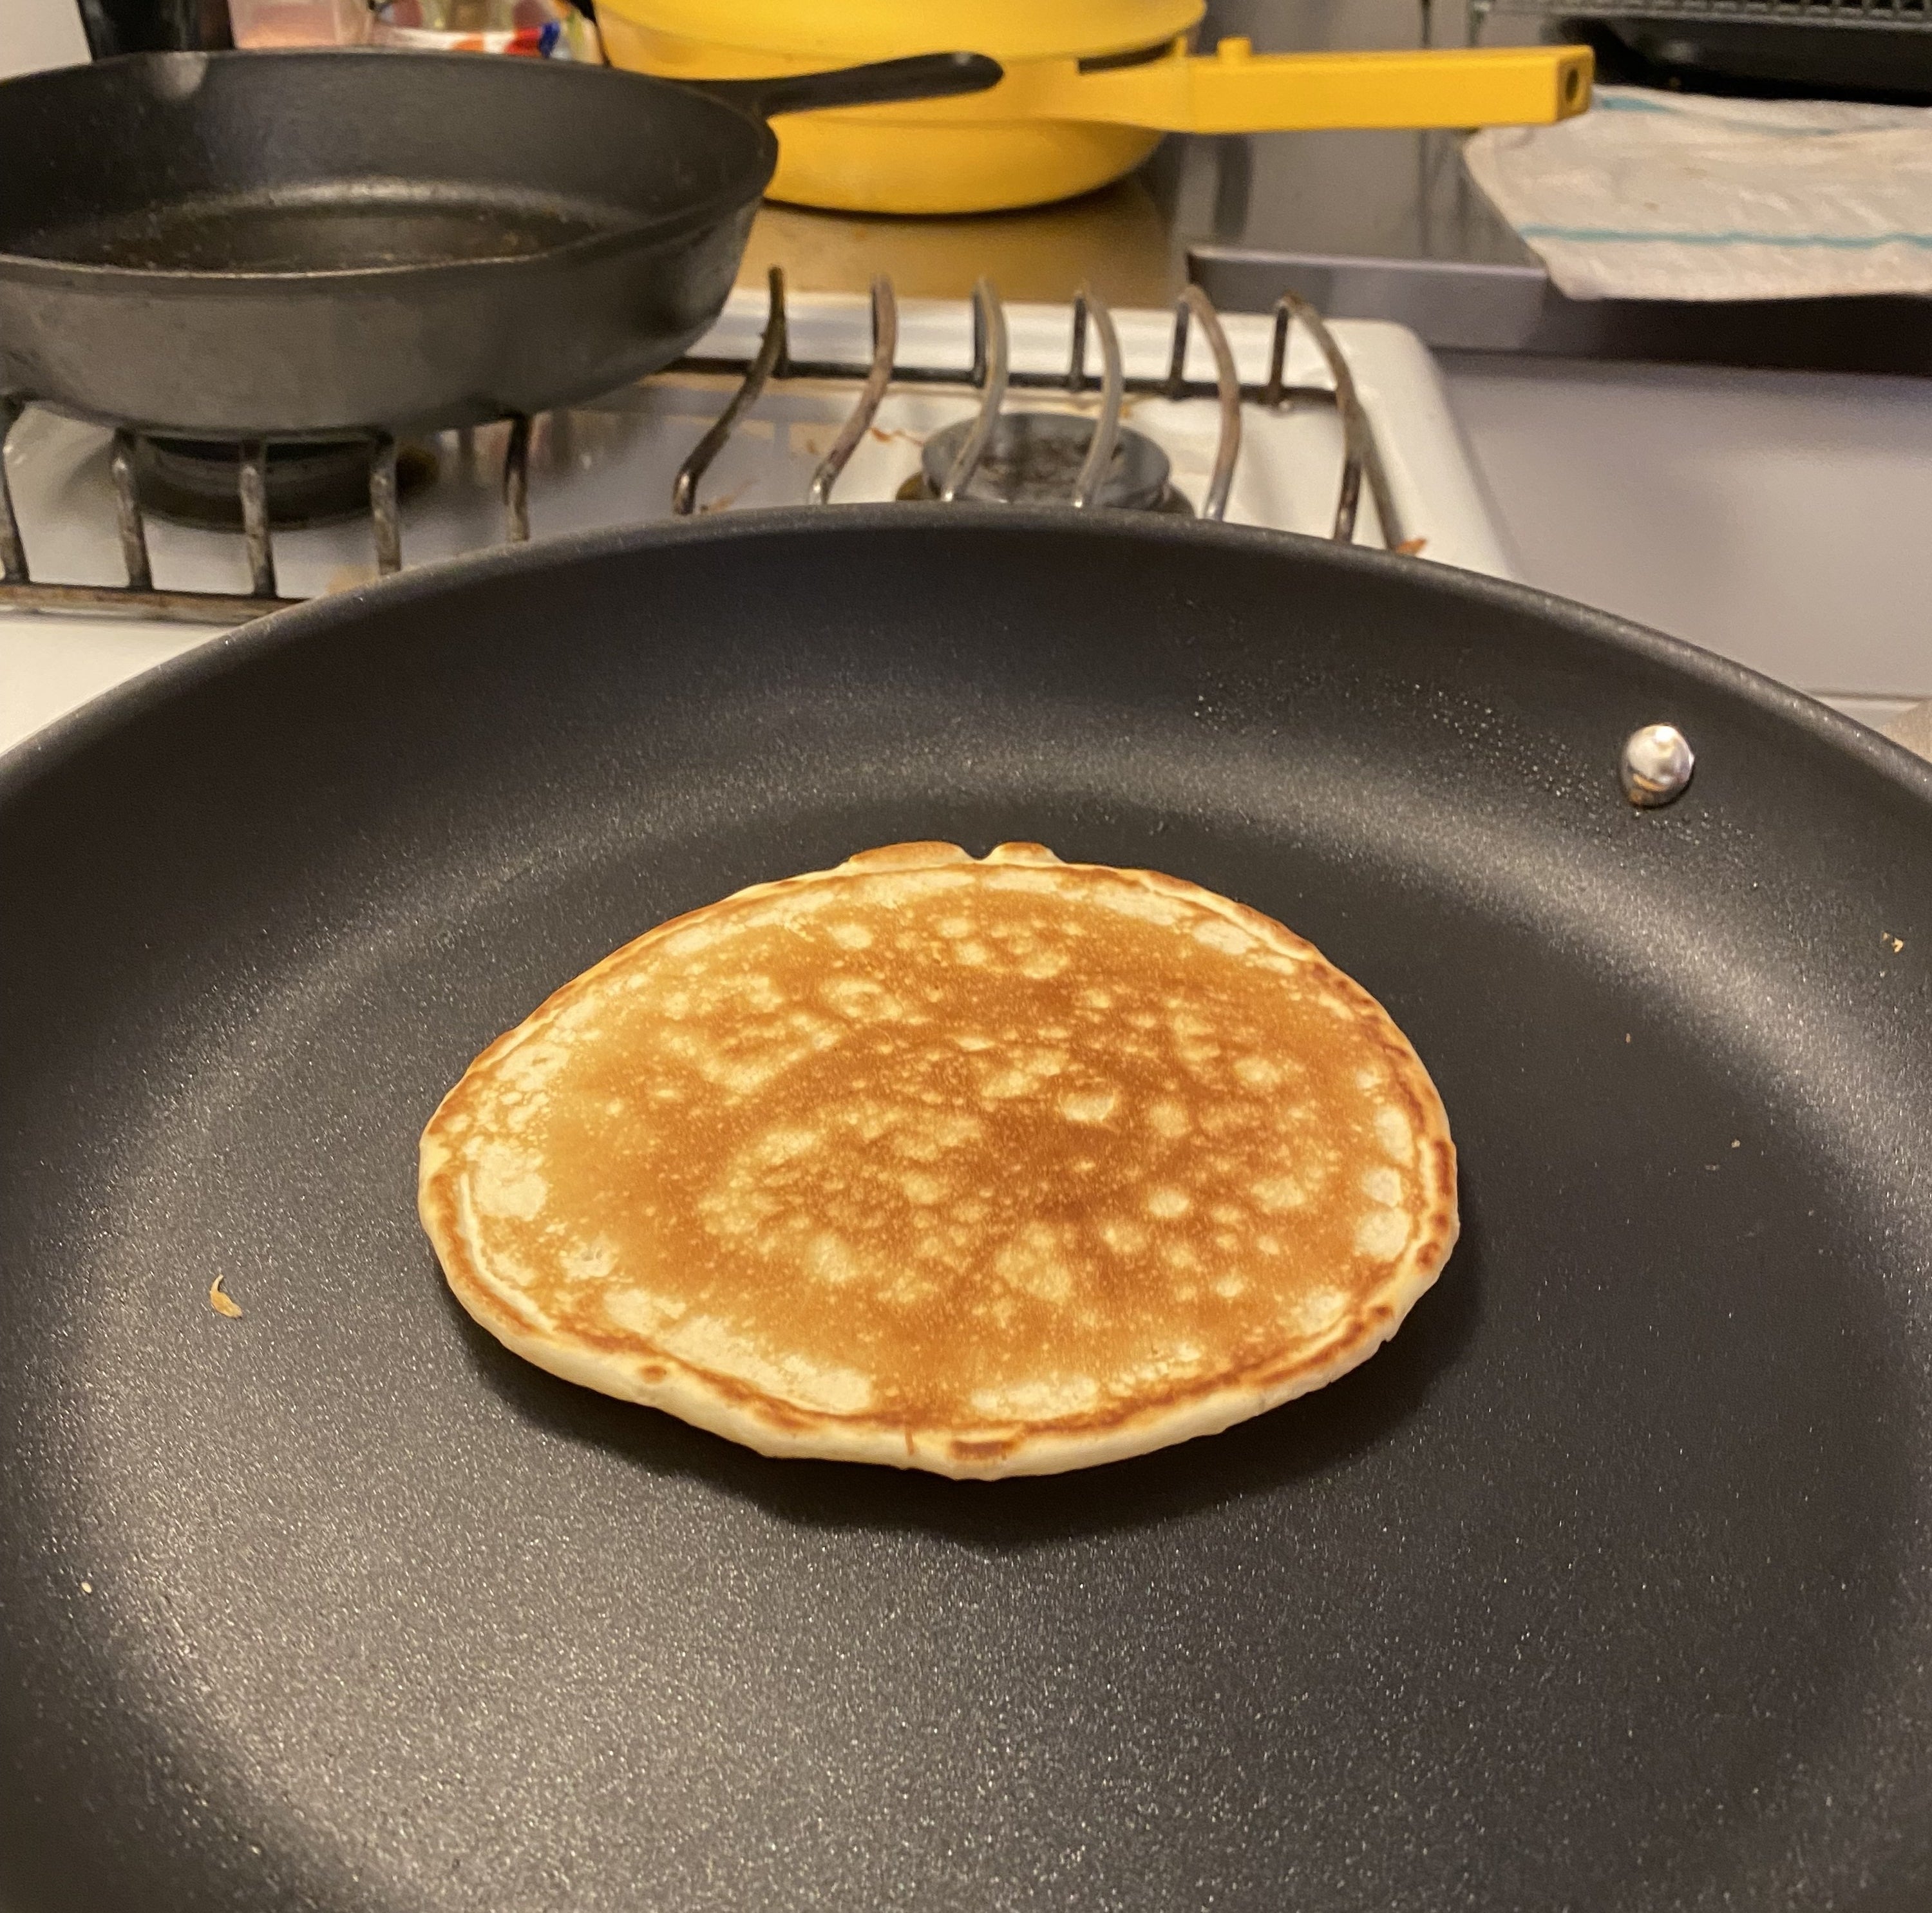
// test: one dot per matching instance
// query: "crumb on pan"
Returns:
(219, 1300)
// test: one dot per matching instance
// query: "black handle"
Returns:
(923, 76)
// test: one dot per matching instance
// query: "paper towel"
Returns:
(1657, 195)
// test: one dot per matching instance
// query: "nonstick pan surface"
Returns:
(1605, 1585)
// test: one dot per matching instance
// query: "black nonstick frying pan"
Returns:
(1606, 1585)
(236, 245)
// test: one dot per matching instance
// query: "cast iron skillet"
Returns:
(235, 245)
(1605, 1585)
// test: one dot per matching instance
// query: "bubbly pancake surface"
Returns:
(989, 1166)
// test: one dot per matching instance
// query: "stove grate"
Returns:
(990, 375)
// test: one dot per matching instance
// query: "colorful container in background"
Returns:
(536, 29)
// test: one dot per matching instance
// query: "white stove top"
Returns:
(612, 464)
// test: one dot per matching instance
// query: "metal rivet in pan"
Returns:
(1658, 762)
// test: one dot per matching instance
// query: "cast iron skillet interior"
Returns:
(1605, 1585)
(291, 243)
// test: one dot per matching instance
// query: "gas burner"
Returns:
(1064, 437)
(195, 481)
(1035, 458)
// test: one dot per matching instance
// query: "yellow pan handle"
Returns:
(1235, 90)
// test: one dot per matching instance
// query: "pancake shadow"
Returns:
(1300, 1441)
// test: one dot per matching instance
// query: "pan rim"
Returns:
(38, 268)
(45, 751)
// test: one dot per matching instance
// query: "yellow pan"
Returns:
(1064, 122)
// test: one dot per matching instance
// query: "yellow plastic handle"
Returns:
(1235, 90)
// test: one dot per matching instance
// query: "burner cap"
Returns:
(1034, 458)
(197, 481)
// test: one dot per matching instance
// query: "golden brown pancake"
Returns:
(991, 1167)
